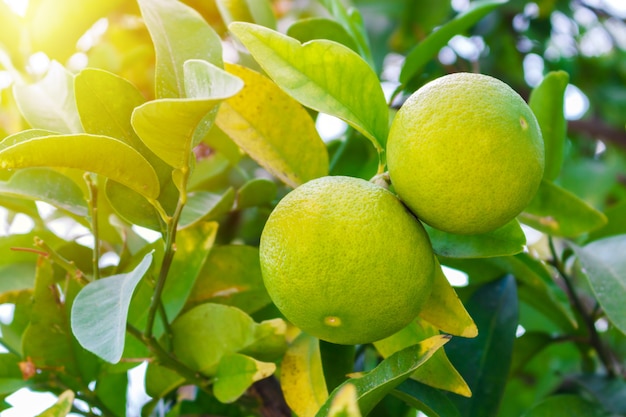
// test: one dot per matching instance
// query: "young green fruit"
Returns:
(345, 261)
(465, 153)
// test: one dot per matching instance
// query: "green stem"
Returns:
(168, 360)
(594, 337)
(166, 325)
(168, 257)
(68, 266)
(93, 211)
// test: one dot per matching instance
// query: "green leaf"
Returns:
(253, 11)
(608, 391)
(607, 275)
(311, 28)
(264, 121)
(105, 104)
(507, 240)
(616, 222)
(231, 275)
(168, 126)
(352, 21)
(219, 141)
(205, 206)
(112, 390)
(445, 310)
(425, 398)
(547, 101)
(236, 373)
(132, 207)
(391, 372)
(192, 248)
(62, 407)
(323, 75)
(558, 212)
(11, 377)
(345, 403)
(270, 340)
(565, 405)
(16, 276)
(485, 360)
(437, 372)
(337, 362)
(42, 184)
(229, 330)
(429, 47)
(108, 297)
(256, 192)
(48, 338)
(49, 104)
(536, 286)
(161, 380)
(84, 151)
(179, 33)
(302, 377)
(526, 347)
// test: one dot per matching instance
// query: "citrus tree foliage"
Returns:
(193, 119)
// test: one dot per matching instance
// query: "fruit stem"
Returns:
(382, 180)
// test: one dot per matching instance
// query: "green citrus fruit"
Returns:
(465, 153)
(345, 261)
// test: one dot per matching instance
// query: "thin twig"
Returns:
(594, 337)
(93, 211)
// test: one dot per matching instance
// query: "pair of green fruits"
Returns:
(349, 262)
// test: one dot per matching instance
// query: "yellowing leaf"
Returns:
(302, 378)
(323, 75)
(437, 372)
(99, 154)
(391, 372)
(444, 309)
(273, 129)
(236, 373)
(345, 403)
(558, 212)
(62, 407)
(168, 126)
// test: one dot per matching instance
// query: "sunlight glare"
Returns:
(576, 103)
(330, 127)
(5, 79)
(455, 277)
(18, 6)
(28, 403)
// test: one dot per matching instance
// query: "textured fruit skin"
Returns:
(465, 153)
(345, 261)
